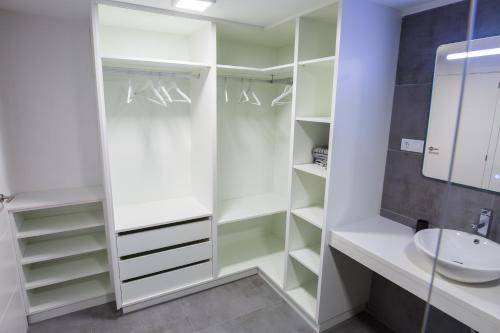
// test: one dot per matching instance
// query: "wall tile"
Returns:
(422, 34)
(487, 19)
(410, 113)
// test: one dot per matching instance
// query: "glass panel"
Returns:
(462, 149)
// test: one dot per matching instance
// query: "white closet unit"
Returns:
(203, 193)
(253, 148)
(156, 80)
(61, 250)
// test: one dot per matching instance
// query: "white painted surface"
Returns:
(235, 210)
(154, 213)
(162, 261)
(53, 272)
(50, 249)
(157, 285)
(387, 248)
(312, 169)
(54, 198)
(313, 215)
(143, 241)
(59, 296)
(61, 150)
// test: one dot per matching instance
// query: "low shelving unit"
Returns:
(62, 251)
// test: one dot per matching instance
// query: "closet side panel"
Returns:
(365, 72)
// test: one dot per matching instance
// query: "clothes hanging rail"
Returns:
(160, 74)
(252, 79)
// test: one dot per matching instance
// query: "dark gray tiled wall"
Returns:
(407, 194)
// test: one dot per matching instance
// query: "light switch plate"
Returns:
(416, 146)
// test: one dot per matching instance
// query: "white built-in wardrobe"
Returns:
(207, 129)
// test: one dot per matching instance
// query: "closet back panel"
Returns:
(318, 32)
(139, 34)
(253, 142)
(149, 145)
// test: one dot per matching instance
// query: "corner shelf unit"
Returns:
(61, 249)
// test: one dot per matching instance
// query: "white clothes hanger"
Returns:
(226, 97)
(165, 92)
(243, 96)
(150, 86)
(256, 100)
(286, 92)
(184, 98)
(130, 92)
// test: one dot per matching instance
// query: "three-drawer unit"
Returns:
(160, 260)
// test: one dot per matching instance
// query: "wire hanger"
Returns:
(286, 92)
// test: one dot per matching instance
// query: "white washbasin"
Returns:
(463, 257)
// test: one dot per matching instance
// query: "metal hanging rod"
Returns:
(251, 79)
(159, 73)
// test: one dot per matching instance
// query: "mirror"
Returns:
(476, 160)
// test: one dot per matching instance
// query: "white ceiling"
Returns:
(255, 12)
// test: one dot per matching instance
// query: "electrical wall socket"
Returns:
(416, 146)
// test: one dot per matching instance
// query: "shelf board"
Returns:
(150, 214)
(60, 223)
(318, 119)
(154, 64)
(312, 169)
(305, 297)
(313, 215)
(276, 72)
(55, 198)
(61, 295)
(50, 249)
(245, 208)
(265, 253)
(309, 257)
(325, 61)
(53, 272)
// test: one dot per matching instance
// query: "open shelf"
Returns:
(53, 272)
(265, 253)
(151, 64)
(312, 169)
(319, 119)
(305, 297)
(57, 296)
(150, 214)
(54, 198)
(239, 209)
(274, 72)
(325, 61)
(309, 257)
(55, 248)
(60, 223)
(313, 215)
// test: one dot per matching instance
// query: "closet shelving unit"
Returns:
(158, 159)
(239, 178)
(61, 249)
(253, 149)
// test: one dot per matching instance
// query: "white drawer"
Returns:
(163, 237)
(160, 261)
(157, 285)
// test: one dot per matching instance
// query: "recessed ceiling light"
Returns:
(473, 54)
(196, 5)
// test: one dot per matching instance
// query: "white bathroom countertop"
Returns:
(386, 247)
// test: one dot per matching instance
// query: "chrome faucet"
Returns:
(483, 226)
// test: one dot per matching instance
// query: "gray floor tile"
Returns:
(245, 306)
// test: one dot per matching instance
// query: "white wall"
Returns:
(48, 97)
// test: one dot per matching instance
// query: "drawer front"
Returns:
(163, 237)
(157, 285)
(157, 262)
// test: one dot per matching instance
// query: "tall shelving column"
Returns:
(312, 128)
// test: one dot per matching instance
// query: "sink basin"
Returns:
(462, 257)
